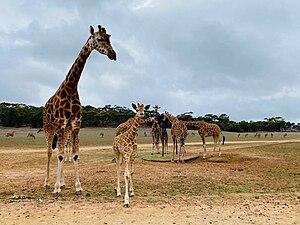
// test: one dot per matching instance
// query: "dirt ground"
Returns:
(23, 200)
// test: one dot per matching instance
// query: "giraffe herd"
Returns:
(63, 116)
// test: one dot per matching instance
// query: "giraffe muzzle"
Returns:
(112, 55)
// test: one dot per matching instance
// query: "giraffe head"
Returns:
(156, 108)
(100, 41)
(140, 109)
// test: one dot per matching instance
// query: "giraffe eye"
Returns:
(100, 39)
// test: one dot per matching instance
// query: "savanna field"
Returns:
(255, 181)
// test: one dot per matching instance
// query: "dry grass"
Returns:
(255, 169)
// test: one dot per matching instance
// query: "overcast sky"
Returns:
(238, 57)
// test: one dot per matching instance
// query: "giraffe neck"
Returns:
(196, 124)
(73, 76)
(172, 119)
(134, 127)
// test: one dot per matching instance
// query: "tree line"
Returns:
(21, 115)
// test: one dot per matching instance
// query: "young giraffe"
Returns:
(205, 130)
(155, 130)
(124, 146)
(123, 127)
(64, 111)
(179, 134)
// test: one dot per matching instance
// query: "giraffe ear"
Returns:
(133, 106)
(92, 30)
(147, 107)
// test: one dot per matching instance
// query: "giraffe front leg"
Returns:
(219, 148)
(60, 161)
(62, 180)
(49, 138)
(117, 188)
(118, 168)
(172, 160)
(132, 157)
(182, 152)
(152, 145)
(75, 156)
(46, 183)
(204, 147)
(57, 186)
(126, 178)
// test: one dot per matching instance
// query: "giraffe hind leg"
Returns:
(49, 138)
(126, 178)
(75, 156)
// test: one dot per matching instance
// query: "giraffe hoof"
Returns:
(56, 194)
(46, 186)
(126, 205)
(79, 192)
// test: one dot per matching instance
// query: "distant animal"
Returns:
(193, 134)
(285, 135)
(271, 135)
(10, 134)
(239, 135)
(145, 133)
(31, 135)
(102, 134)
(246, 135)
(266, 135)
(40, 130)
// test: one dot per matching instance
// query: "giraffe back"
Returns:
(204, 128)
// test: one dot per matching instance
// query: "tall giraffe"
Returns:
(178, 133)
(124, 147)
(155, 130)
(63, 110)
(206, 130)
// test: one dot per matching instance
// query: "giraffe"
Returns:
(205, 130)
(64, 111)
(155, 130)
(178, 133)
(163, 134)
(123, 127)
(31, 135)
(10, 134)
(156, 133)
(124, 147)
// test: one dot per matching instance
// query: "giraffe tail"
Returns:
(223, 139)
(54, 141)
(182, 139)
